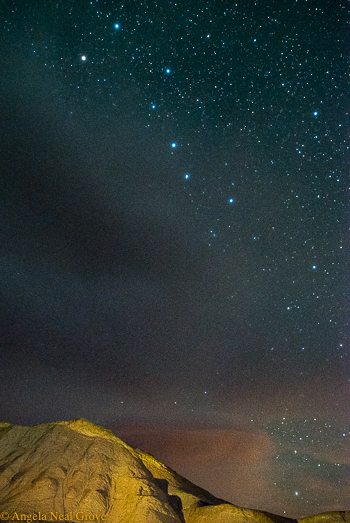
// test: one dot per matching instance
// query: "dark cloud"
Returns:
(99, 264)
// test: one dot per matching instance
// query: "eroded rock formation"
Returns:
(76, 471)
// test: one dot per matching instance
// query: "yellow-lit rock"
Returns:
(76, 471)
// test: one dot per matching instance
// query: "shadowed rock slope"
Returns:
(77, 471)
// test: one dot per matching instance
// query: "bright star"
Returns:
(116, 26)
(231, 200)
(173, 145)
(315, 113)
(83, 58)
(153, 106)
(168, 71)
(314, 266)
(187, 176)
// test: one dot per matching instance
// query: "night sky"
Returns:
(174, 235)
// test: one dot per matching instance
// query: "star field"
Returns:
(175, 201)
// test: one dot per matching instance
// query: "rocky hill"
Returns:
(77, 471)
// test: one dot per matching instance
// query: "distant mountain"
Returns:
(77, 471)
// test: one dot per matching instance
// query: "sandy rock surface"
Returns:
(76, 471)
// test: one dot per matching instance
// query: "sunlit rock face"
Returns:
(77, 471)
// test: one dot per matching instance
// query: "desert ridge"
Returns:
(77, 471)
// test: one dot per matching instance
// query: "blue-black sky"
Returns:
(174, 235)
